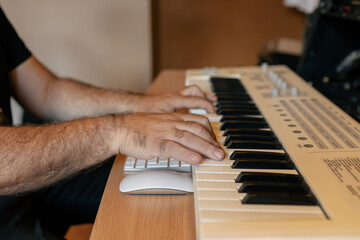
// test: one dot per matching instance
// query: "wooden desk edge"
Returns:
(122, 216)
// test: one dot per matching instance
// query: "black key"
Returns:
(233, 144)
(226, 110)
(272, 187)
(267, 177)
(232, 102)
(249, 137)
(235, 93)
(221, 79)
(279, 198)
(262, 164)
(238, 90)
(233, 97)
(238, 155)
(238, 107)
(242, 124)
(253, 131)
(225, 83)
(242, 118)
(253, 112)
(221, 110)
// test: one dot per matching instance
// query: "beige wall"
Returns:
(102, 42)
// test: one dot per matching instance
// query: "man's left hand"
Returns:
(190, 97)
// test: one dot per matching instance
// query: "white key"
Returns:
(219, 177)
(185, 164)
(213, 117)
(162, 164)
(211, 185)
(130, 160)
(221, 139)
(140, 163)
(237, 206)
(198, 111)
(226, 162)
(174, 163)
(220, 195)
(227, 216)
(228, 152)
(227, 169)
(151, 162)
(129, 165)
(163, 159)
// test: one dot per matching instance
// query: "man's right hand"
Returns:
(185, 137)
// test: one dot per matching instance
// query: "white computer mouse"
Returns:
(157, 182)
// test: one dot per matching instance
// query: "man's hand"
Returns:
(189, 97)
(184, 137)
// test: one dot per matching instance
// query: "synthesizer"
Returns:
(292, 165)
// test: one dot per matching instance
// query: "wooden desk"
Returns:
(123, 216)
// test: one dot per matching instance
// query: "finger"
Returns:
(186, 127)
(211, 97)
(175, 150)
(198, 144)
(204, 121)
(194, 102)
(180, 152)
(193, 90)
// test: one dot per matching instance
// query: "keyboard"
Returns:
(292, 165)
(163, 163)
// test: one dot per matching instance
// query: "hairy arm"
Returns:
(50, 98)
(32, 157)
(36, 156)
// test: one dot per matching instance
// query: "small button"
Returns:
(308, 145)
(294, 91)
(275, 92)
(264, 66)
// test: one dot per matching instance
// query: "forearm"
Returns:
(49, 98)
(32, 157)
(68, 99)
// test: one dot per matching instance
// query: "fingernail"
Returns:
(219, 153)
(212, 95)
(195, 158)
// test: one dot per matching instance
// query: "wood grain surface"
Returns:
(123, 216)
(193, 34)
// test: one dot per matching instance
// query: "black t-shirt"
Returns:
(12, 53)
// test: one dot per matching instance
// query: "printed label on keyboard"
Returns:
(347, 171)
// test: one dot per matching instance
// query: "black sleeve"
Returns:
(14, 49)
